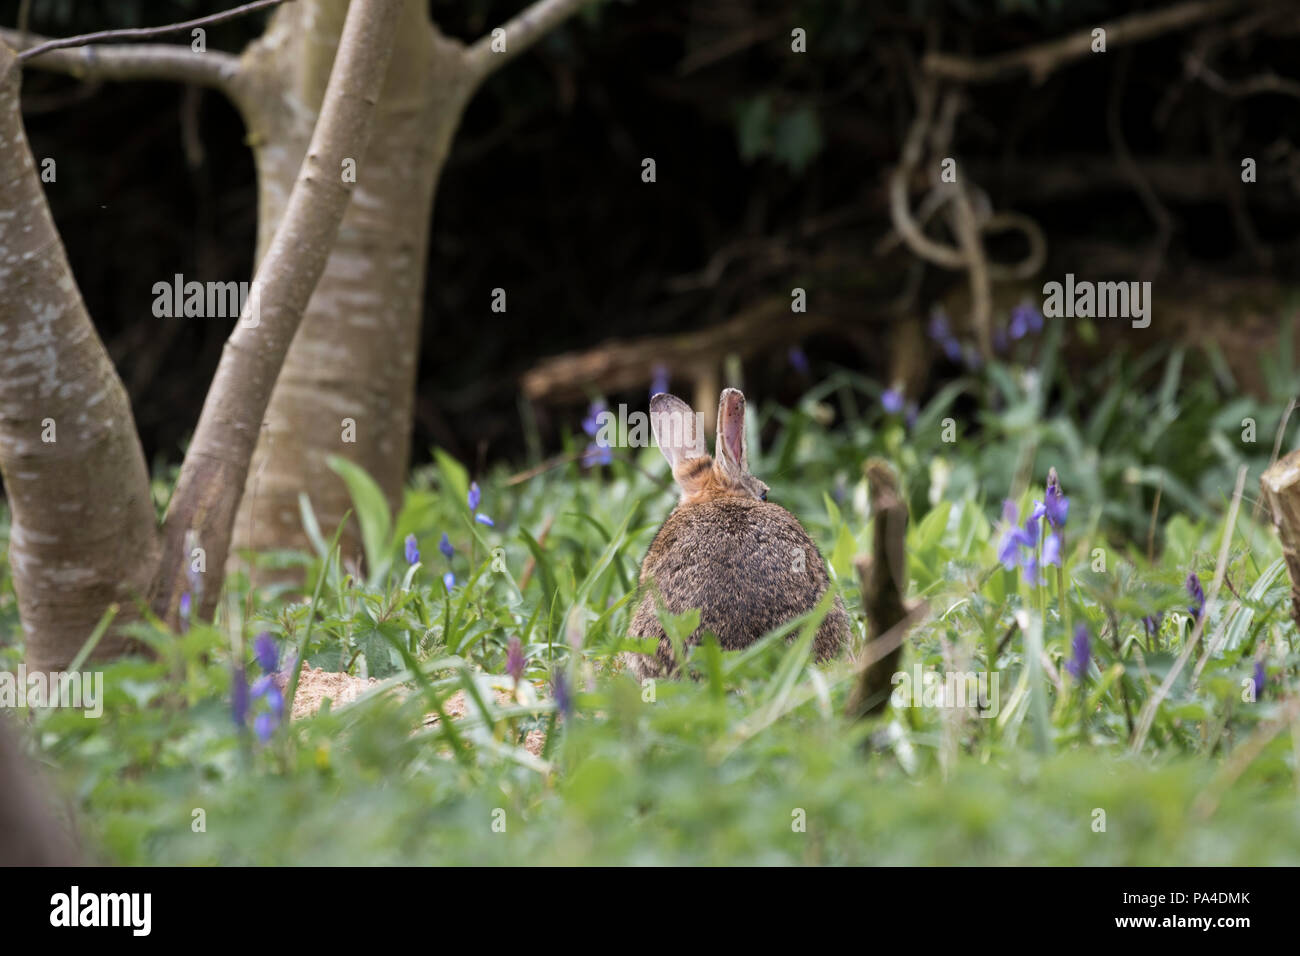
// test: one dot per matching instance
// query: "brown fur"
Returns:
(734, 557)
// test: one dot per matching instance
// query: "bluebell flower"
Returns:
(515, 659)
(412, 550)
(186, 603)
(798, 360)
(445, 547)
(597, 454)
(590, 424)
(474, 496)
(1080, 653)
(449, 581)
(1052, 550)
(1152, 624)
(484, 519)
(264, 726)
(660, 381)
(1197, 593)
(267, 656)
(560, 690)
(1025, 319)
(265, 688)
(1259, 677)
(892, 400)
(938, 328)
(1018, 545)
(1056, 506)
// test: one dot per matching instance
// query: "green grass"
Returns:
(754, 762)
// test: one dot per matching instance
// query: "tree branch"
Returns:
(1043, 59)
(521, 32)
(144, 61)
(215, 469)
(144, 33)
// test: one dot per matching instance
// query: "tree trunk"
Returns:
(84, 532)
(347, 386)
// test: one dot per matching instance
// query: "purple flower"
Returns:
(1197, 607)
(971, 356)
(186, 602)
(515, 659)
(590, 424)
(239, 697)
(449, 580)
(445, 547)
(952, 349)
(474, 496)
(484, 519)
(1052, 550)
(1080, 653)
(892, 400)
(275, 700)
(412, 550)
(267, 656)
(659, 382)
(938, 327)
(1152, 624)
(1018, 544)
(1056, 506)
(560, 690)
(264, 726)
(597, 454)
(1259, 677)
(1025, 318)
(798, 360)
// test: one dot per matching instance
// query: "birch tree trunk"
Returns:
(347, 386)
(83, 532)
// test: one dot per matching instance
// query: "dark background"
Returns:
(543, 194)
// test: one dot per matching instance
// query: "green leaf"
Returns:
(372, 513)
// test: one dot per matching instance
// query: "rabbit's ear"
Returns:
(732, 454)
(676, 429)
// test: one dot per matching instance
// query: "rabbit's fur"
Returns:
(746, 563)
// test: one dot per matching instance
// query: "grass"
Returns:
(754, 762)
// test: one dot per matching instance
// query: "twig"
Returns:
(143, 33)
(1043, 59)
(521, 32)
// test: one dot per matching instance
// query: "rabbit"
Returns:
(744, 561)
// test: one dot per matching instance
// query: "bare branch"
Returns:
(521, 32)
(145, 33)
(1043, 59)
(144, 61)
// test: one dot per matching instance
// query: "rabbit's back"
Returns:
(749, 567)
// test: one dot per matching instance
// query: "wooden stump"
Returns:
(1281, 487)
